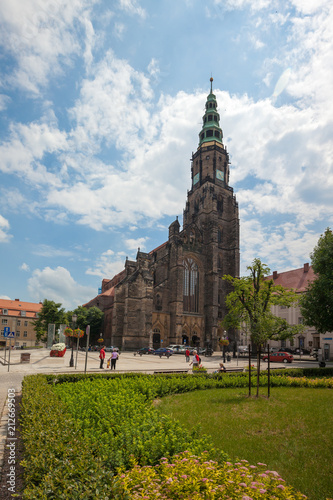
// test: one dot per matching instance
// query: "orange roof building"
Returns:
(19, 317)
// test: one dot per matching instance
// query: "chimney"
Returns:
(306, 267)
(17, 300)
(275, 275)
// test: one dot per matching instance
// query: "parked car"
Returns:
(243, 349)
(163, 351)
(279, 357)
(303, 351)
(177, 348)
(110, 348)
(314, 353)
(286, 349)
(145, 350)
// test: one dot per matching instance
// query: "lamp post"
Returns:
(224, 337)
(74, 319)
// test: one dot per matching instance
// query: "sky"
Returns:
(101, 104)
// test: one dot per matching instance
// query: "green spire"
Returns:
(211, 130)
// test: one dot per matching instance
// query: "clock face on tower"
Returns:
(220, 175)
(196, 178)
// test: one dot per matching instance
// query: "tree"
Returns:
(317, 302)
(51, 312)
(92, 316)
(250, 302)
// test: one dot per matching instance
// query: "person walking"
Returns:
(102, 356)
(195, 360)
(187, 355)
(114, 357)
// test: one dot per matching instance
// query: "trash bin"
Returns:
(25, 357)
(228, 357)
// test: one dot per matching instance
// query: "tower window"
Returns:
(202, 136)
(220, 204)
(210, 118)
(217, 134)
(209, 133)
(190, 286)
(210, 105)
(215, 118)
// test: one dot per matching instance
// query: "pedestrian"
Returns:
(102, 356)
(195, 360)
(187, 355)
(114, 357)
(222, 368)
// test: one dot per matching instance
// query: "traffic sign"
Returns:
(11, 335)
(6, 331)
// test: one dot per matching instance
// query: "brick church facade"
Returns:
(174, 294)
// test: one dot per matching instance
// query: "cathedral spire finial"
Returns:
(211, 84)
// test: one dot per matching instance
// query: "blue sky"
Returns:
(101, 103)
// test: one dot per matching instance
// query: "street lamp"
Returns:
(74, 319)
(224, 338)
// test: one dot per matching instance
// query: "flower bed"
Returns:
(187, 476)
(58, 350)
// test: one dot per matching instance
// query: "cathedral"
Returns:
(175, 293)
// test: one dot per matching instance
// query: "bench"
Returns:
(170, 371)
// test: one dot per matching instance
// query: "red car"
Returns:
(279, 357)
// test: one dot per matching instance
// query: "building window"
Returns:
(23, 313)
(25, 323)
(4, 321)
(25, 334)
(209, 133)
(217, 134)
(190, 286)
(5, 311)
(210, 118)
(18, 323)
(18, 334)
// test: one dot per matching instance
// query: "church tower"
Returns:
(212, 211)
(175, 293)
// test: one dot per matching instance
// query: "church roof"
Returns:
(211, 130)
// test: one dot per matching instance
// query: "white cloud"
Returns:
(24, 267)
(58, 285)
(108, 264)
(132, 7)
(42, 36)
(48, 251)
(5, 237)
(134, 244)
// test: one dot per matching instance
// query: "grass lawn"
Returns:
(291, 432)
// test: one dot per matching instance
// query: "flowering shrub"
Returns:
(224, 342)
(187, 476)
(200, 369)
(68, 332)
(58, 350)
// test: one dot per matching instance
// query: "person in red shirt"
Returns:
(187, 355)
(102, 356)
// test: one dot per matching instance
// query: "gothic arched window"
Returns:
(190, 286)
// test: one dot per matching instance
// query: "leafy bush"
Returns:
(189, 477)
